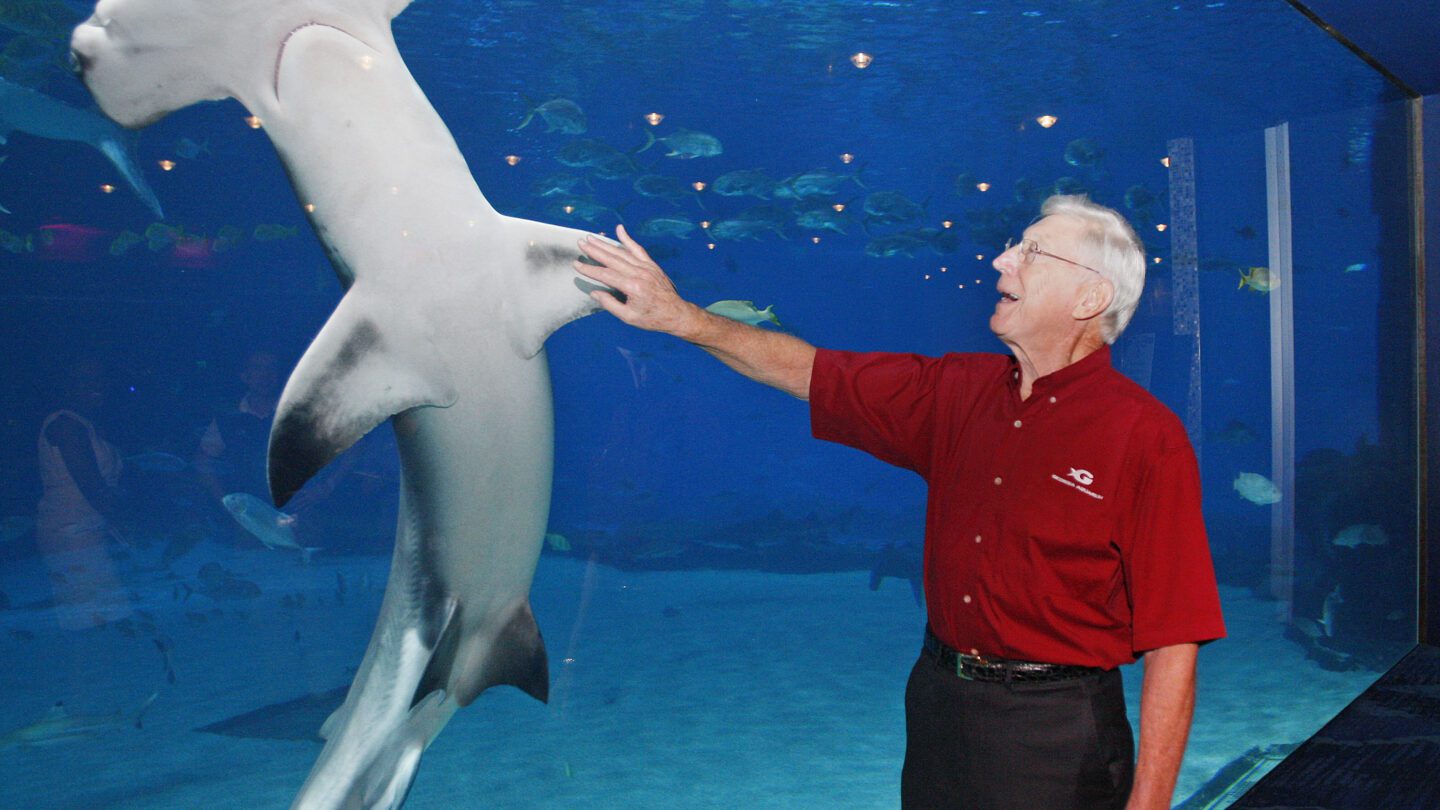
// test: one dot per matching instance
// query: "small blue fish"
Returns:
(687, 143)
(560, 115)
(270, 526)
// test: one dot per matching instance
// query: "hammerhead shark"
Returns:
(441, 331)
(35, 113)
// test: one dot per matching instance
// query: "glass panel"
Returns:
(728, 605)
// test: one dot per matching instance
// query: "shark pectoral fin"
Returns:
(353, 377)
(548, 293)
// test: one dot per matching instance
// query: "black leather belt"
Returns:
(1000, 670)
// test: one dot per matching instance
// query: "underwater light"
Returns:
(846, 157)
(838, 207)
(944, 269)
(654, 118)
(815, 239)
(512, 159)
(711, 246)
(927, 276)
(253, 121)
(861, 60)
(947, 224)
(704, 223)
(1046, 121)
(983, 186)
(166, 165)
(569, 209)
(106, 188)
(309, 208)
(1157, 259)
(698, 185)
(979, 257)
(1165, 161)
(1161, 227)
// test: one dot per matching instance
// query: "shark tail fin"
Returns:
(353, 377)
(120, 151)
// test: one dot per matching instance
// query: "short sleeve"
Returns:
(1168, 570)
(876, 402)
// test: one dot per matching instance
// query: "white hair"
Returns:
(1116, 252)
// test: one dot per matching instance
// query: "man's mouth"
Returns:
(1008, 298)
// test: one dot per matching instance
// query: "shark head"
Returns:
(143, 59)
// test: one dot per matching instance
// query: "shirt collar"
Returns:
(1069, 379)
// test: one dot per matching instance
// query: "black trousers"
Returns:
(1027, 746)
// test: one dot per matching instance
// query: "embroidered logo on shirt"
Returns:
(1083, 477)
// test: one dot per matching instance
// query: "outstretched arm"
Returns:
(651, 302)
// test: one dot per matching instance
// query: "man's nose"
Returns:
(1005, 262)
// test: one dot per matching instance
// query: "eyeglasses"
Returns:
(1029, 249)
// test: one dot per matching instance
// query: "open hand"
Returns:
(650, 299)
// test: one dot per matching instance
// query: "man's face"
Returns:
(1038, 299)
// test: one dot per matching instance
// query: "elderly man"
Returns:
(1063, 530)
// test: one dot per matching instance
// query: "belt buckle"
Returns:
(961, 660)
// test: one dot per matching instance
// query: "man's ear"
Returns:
(1095, 301)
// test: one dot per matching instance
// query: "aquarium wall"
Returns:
(730, 607)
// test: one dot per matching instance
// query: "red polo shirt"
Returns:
(1064, 528)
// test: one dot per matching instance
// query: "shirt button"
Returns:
(967, 598)
(997, 480)
(1017, 423)
(1052, 400)
(974, 651)
(977, 538)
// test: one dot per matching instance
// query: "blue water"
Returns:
(668, 466)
